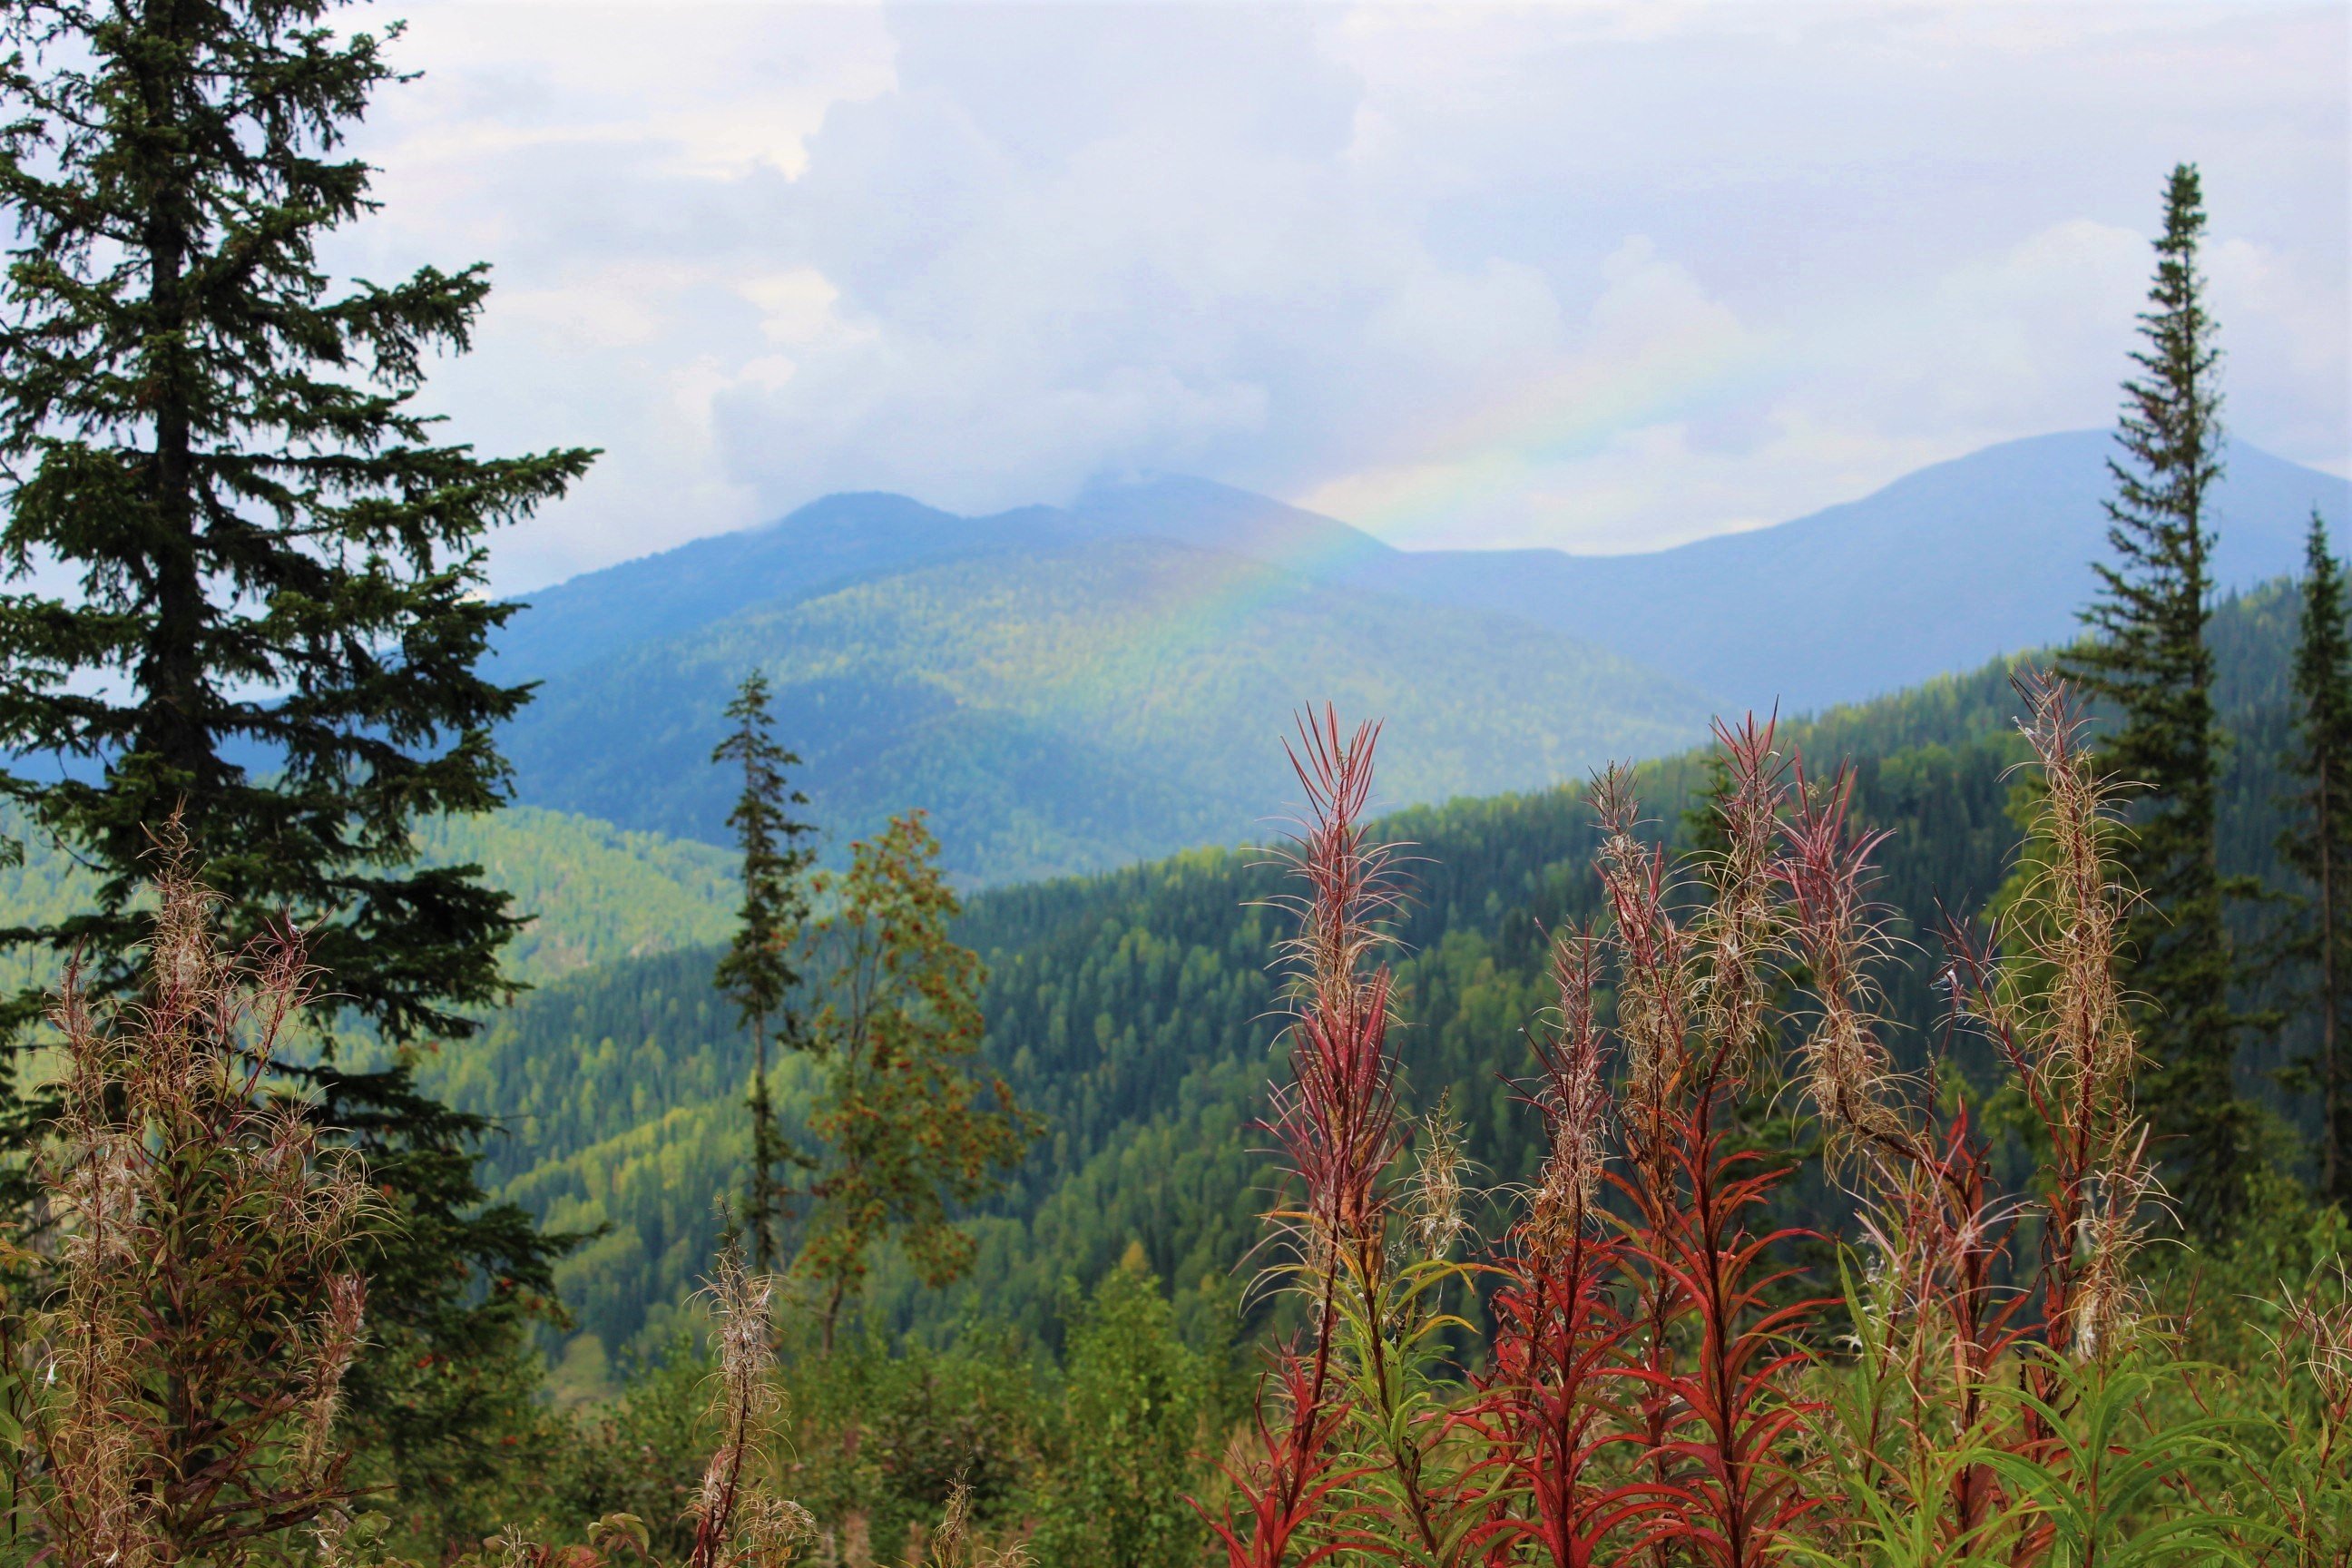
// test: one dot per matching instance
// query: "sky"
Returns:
(1602, 277)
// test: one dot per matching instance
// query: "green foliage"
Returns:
(2114, 1485)
(1135, 1419)
(1895, 1447)
(641, 1456)
(883, 1434)
(2150, 657)
(2318, 844)
(1085, 708)
(450, 1448)
(905, 1129)
(758, 973)
(276, 620)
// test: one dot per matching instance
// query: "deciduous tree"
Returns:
(910, 1126)
(1135, 1399)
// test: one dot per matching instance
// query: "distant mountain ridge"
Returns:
(1084, 706)
(829, 543)
(1074, 688)
(839, 540)
(1944, 568)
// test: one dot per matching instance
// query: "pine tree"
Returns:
(2317, 841)
(250, 584)
(757, 972)
(2148, 658)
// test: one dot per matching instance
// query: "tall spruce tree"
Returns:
(757, 972)
(249, 588)
(2148, 658)
(2317, 841)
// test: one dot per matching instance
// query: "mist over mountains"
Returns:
(1070, 688)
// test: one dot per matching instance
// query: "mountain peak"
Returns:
(1210, 516)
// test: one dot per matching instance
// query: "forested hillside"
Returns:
(1133, 1010)
(1083, 708)
(593, 892)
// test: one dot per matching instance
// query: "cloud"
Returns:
(1602, 277)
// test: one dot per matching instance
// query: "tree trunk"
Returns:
(173, 726)
(763, 1153)
(832, 1312)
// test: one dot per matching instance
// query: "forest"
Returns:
(1914, 1132)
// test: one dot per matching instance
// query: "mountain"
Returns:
(1134, 1010)
(826, 544)
(839, 540)
(1077, 707)
(1945, 568)
(1068, 689)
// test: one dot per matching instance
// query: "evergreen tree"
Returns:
(250, 588)
(2317, 840)
(2148, 658)
(757, 973)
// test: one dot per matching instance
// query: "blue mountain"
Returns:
(1987, 554)
(1068, 688)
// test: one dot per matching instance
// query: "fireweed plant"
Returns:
(175, 1348)
(1994, 1387)
(177, 1351)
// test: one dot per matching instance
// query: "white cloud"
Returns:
(1605, 277)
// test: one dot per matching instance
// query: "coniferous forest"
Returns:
(1913, 1132)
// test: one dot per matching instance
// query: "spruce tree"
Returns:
(2149, 660)
(249, 588)
(2317, 841)
(757, 972)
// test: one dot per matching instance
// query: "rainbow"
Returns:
(1497, 453)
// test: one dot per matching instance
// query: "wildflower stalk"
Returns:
(2055, 1014)
(737, 1518)
(178, 1390)
(1337, 1122)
